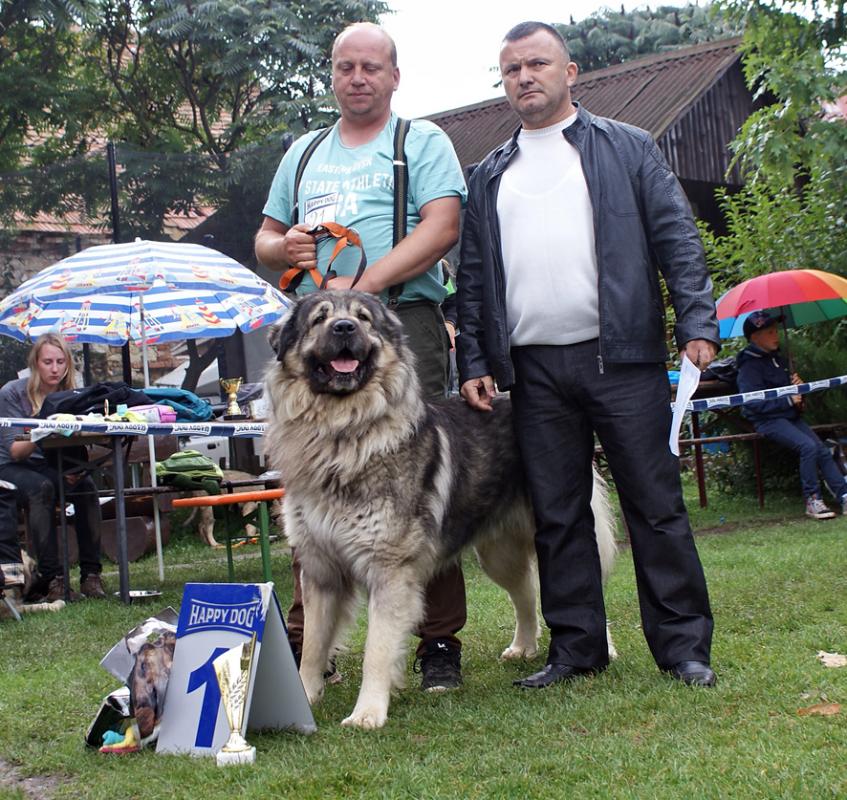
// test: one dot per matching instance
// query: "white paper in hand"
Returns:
(689, 380)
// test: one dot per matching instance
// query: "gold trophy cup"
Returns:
(232, 670)
(231, 387)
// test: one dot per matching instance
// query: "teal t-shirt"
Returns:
(354, 186)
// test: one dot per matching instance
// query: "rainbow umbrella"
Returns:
(799, 296)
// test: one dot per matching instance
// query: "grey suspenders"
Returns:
(401, 197)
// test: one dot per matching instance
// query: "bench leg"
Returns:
(264, 540)
(229, 529)
(760, 489)
(234, 525)
(698, 460)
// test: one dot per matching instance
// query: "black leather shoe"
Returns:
(552, 673)
(693, 673)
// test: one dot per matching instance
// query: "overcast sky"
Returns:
(446, 48)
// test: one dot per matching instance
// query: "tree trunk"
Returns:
(196, 364)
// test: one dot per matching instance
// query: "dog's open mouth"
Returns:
(344, 365)
(341, 374)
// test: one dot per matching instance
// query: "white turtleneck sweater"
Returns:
(547, 235)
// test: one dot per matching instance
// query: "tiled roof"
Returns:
(70, 222)
(652, 92)
(175, 224)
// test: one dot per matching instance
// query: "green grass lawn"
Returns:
(778, 584)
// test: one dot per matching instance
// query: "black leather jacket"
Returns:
(642, 224)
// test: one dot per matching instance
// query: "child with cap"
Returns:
(761, 366)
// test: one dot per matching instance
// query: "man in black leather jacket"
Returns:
(567, 228)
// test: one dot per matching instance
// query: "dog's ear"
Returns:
(283, 335)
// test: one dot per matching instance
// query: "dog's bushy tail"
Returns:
(604, 524)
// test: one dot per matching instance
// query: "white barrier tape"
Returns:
(253, 429)
(110, 428)
(726, 401)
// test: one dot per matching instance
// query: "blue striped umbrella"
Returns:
(144, 292)
(140, 265)
(156, 316)
(120, 293)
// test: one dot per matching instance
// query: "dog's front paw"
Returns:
(613, 653)
(518, 652)
(368, 719)
(314, 689)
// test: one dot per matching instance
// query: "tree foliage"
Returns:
(48, 97)
(797, 57)
(196, 96)
(214, 75)
(186, 89)
(792, 212)
(612, 37)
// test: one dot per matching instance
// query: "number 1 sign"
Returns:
(213, 618)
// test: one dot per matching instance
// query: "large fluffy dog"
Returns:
(382, 489)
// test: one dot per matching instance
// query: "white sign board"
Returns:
(215, 617)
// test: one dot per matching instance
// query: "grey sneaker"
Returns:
(844, 505)
(817, 509)
(440, 667)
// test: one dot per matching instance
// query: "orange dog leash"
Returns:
(346, 237)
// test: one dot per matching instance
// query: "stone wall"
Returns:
(28, 252)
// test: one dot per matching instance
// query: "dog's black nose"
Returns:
(343, 327)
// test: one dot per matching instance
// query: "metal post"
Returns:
(120, 518)
(86, 347)
(63, 526)
(219, 345)
(86, 364)
(126, 364)
(113, 190)
(116, 238)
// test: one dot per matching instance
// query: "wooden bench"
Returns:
(139, 514)
(234, 522)
(754, 438)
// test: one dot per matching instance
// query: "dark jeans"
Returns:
(38, 487)
(560, 400)
(798, 437)
(10, 549)
(446, 609)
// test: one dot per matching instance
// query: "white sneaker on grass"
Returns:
(817, 509)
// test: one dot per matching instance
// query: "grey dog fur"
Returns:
(383, 489)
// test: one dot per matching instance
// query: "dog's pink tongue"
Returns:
(344, 364)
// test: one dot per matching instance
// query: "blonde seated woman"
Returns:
(24, 464)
